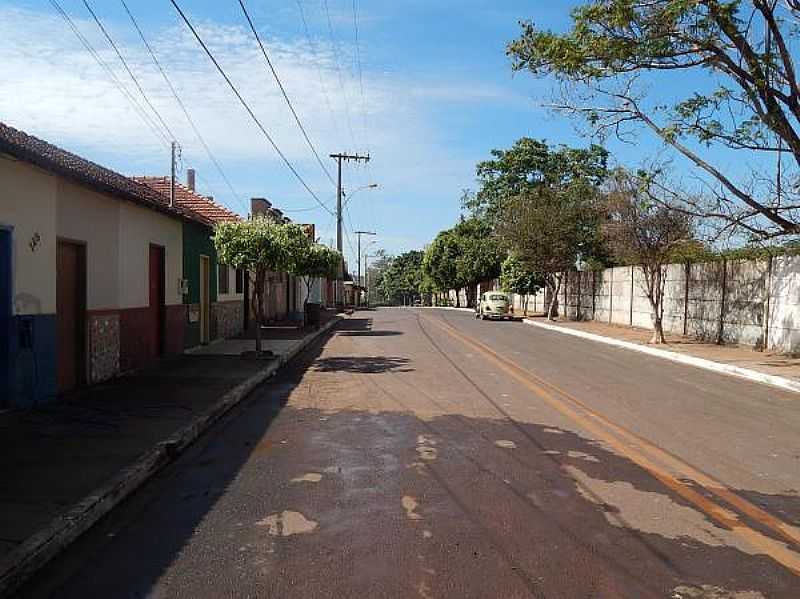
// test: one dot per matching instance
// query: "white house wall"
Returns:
(138, 228)
(27, 205)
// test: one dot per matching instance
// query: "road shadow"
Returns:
(512, 509)
(363, 327)
(362, 364)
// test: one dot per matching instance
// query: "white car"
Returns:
(494, 305)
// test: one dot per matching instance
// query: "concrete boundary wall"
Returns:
(746, 302)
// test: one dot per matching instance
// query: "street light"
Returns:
(350, 195)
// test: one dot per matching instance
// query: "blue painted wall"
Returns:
(27, 344)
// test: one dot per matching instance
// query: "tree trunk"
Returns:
(525, 305)
(655, 296)
(551, 310)
(259, 308)
(458, 298)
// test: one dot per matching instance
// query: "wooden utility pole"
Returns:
(339, 158)
(360, 233)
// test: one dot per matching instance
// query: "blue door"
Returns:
(5, 317)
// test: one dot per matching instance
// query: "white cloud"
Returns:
(57, 91)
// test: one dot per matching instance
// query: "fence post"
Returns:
(722, 301)
(687, 274)
(630, 318)
(594, 289)
(767, 296)
(566, 282)
(611, 297)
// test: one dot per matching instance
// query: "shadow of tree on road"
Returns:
(362, 364)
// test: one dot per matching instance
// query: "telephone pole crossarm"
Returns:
(339, 158)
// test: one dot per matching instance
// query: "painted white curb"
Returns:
(745, 373)
(471, 310)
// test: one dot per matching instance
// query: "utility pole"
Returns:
(339, 158)
(172, 178)
(360, 233)
(366, 273)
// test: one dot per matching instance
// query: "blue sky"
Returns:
(439, 94)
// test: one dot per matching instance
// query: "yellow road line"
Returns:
(621, 440)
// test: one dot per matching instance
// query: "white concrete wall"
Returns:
(28, 205)
(784, 305)
(138, 228)
(93, 219)
(741, 311)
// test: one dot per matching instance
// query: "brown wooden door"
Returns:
(156, 312)
(71, 315)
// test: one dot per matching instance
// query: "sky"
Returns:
(427, 91)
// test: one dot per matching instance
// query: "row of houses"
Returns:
(102, 274)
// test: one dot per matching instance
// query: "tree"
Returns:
(747, 97)
(645, 233)
(479, 255)
(260, 246)
(439, 262)
(312, 261)
(528, 165)
(549, 229)
(516, 278)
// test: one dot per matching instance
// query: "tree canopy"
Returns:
(749, 99)
(528, 165)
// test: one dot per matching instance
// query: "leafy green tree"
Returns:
(748, 103)
(260, 246)
(401, 280)
(313, 261)
(440, 262)
(528, 165)
(480, 255)
(549, 229)
(515, 277)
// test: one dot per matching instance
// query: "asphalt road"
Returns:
(423, 453)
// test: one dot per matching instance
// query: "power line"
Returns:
(322, 85)
(183, 107)
(360, 74)
(247, 107)
(114, 79)
(335, 47)
(127, 68)
(283, 91)
(301, 209)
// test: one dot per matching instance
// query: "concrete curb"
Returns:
(472, 310)
(730, 369)
(33, 553)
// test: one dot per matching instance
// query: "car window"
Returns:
(498, 298)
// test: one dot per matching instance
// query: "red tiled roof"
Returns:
(190, 200)
(61, 162)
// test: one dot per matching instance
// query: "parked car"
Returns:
(494, 305)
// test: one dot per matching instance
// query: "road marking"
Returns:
(656, 462)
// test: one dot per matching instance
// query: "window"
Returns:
(239, 280)
(223, 280)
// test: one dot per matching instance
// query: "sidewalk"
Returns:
(64, 465)
(730, 358)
